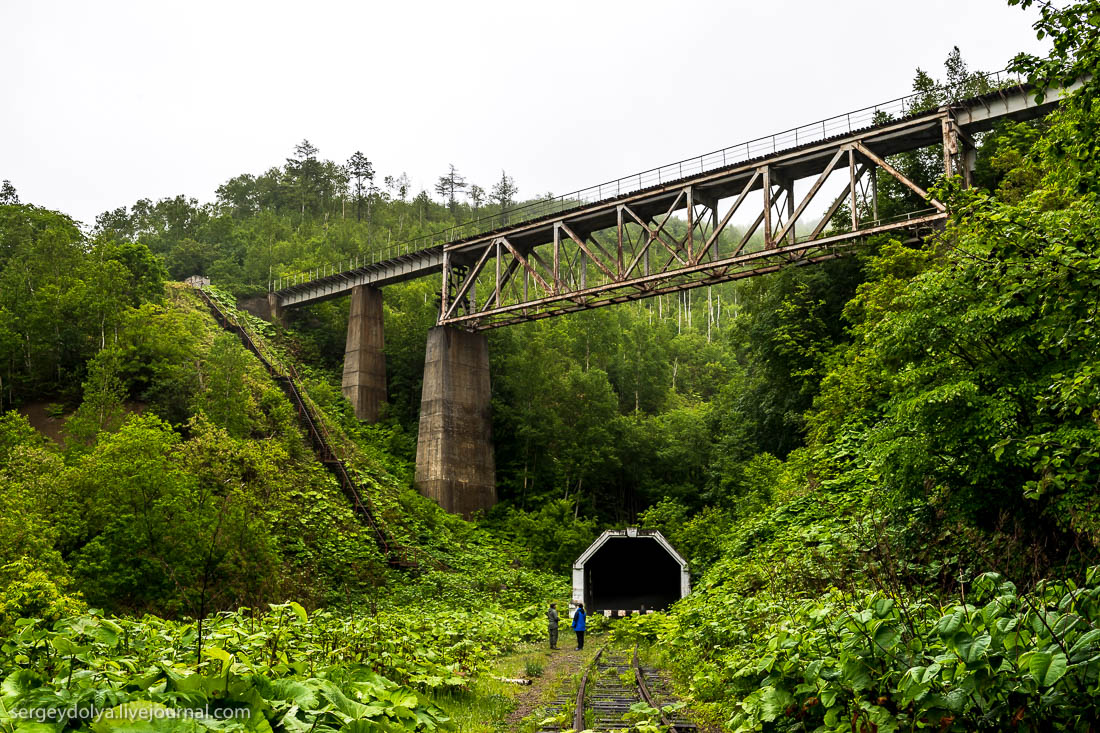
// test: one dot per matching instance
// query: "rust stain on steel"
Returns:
(700, 256)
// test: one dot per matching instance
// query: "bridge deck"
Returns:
(377, 274)
(713, 182)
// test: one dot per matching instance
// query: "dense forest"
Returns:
(883, 470)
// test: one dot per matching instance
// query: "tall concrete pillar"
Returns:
(364, 381)
(454, 451)
(274, 308)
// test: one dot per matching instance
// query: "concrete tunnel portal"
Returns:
(629, 570)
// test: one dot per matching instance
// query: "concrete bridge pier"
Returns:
(454, 451)
(364, 382)
(274, 309)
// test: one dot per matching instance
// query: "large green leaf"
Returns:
(1085, 645)
(67, 646)
(297, 692)
(299, 611)
(854, 673)
(887, 635)
(1046, 667)
(972, 649)
(362, 726)
(139, 715)
(950, 624)
(220, 654)
(774, 701)
(17, 684)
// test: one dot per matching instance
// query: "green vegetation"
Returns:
(181, 487)
(927, 559)
(283, 669)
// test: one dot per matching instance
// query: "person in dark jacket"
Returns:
(552, 623)
(579, 619)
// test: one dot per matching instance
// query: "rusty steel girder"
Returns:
(624, 249)
(718, 179)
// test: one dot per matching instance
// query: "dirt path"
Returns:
(562, 664)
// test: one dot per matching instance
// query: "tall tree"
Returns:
(103, 407)
(449, 186)
(360, 170)
(332, 183)
(504, 191)
(305, 169)
(402, 185)
(8, 194)
(373, 195)
(239, 194)
(477, 196)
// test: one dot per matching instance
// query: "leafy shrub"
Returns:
(286, 669)
(999, 659)
(33, 594)
(553, 535)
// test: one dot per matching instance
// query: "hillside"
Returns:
(215, 518)
(282, 529)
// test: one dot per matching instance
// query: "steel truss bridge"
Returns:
(729, 215)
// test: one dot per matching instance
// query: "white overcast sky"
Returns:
(107, 102)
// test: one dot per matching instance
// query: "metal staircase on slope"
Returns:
(397, 556)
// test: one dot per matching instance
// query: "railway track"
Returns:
(613, 683)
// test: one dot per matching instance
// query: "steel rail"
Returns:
(639, 675)
(618, 702)
(578, 711)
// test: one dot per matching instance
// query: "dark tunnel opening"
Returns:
(630, 573)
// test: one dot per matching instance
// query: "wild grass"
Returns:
(485, 707)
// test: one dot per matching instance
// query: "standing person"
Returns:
(579, 619)
(552, 623)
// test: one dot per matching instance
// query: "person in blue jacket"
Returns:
(579, 619)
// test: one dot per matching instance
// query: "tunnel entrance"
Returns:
(629, 570)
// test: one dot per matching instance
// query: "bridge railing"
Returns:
(308, 413)
(843, 124)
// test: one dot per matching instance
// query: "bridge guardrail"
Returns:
(321, 438)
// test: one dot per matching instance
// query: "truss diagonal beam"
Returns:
(894, 172)
(471, 278)
(653, 236)
(526, 266)
(854, 175)
(580, 245)
(748, 234)
(810, 194)
(502, 282)
(729, 215)
(671, 210)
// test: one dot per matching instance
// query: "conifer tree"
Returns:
(361, 170)
(504, 192)
(8, 194)
(449, 186)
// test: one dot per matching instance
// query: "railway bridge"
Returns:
(742, 211)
